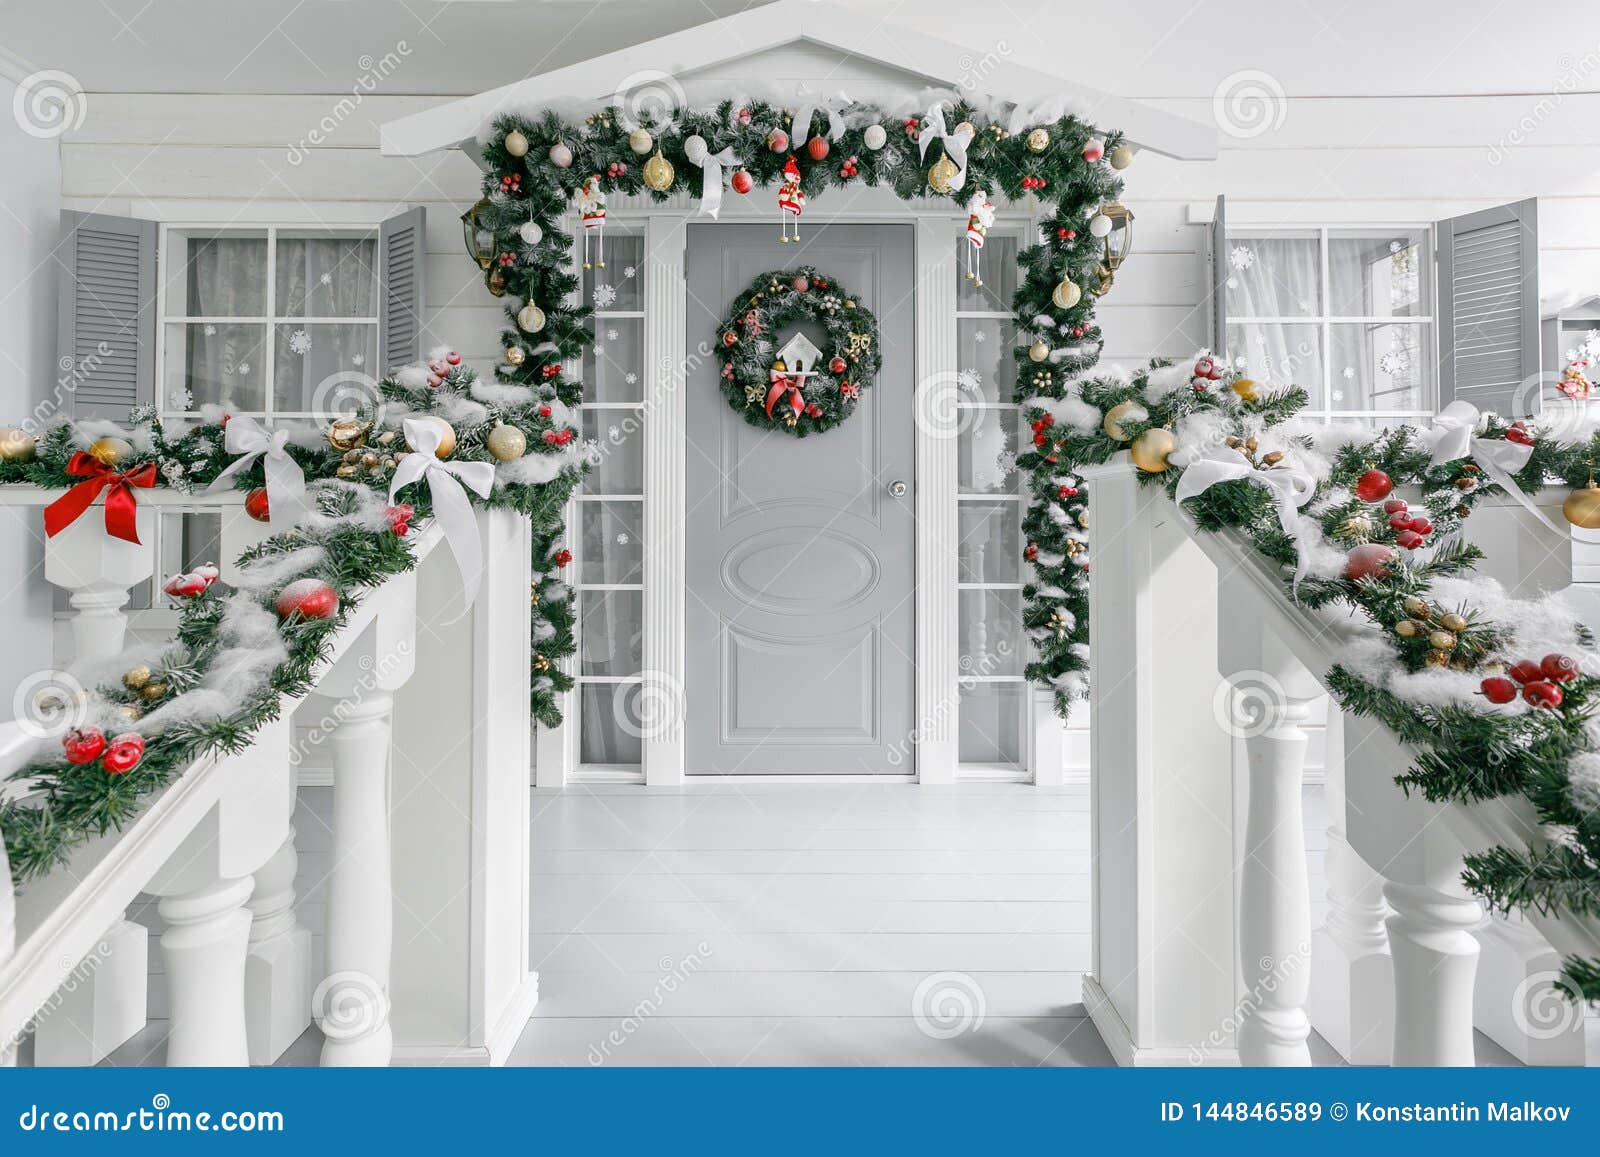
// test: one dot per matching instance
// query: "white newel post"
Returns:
(1164, 981)
(98, 571)
(1351, 1003)
(278, 979)
(1266, 712)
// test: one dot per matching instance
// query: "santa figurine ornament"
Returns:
(592, 208)
(791, 200)
(980, 215)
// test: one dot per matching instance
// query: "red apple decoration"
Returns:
(1542, 694)
(308, 598)
(453, 358)
(1526, 671)
(1395, 506)
(83, 744)
(1370, 560)
(817, 148)
(185, 586)
(123, 754)
(1498, 689)
(1400, 520)
(1373, 485)
(1520, 434)
(741, 181)
(255, 505)
(1559, 668)
(1421, 526)
(1408, 540)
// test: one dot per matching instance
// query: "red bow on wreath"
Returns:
(121, 506)
(791, 383)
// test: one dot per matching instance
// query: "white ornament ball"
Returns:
(516, 144)
(530, 233)
(640, 141)
(560, 155)
(1099, 225)
(875, 137)
(695, 150)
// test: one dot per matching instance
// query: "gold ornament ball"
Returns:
(1120, 157)
(1438, 658)
(1066, 294)
(507, 443)
(1441, 640)
(1408, 628)
(16, 445)
(658, 173)
(515, 355)
(1582, 507)
(135, 677)
(942, 175)
(1114, 416)
(110, 451)
(516, 144)
(447, 434)
(640, 141)
(1039, 350)
(346, 434)
(1038, 140)
(1149, 451)
(152, 691)
(530, 318)
(1417, 608)
(1246, 390)
(1453, 622)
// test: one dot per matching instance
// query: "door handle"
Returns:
(898, 489)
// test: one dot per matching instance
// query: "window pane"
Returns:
(210, 275)
(305, 356)
(986, 450)
(991, 542)
(613, 368)
(215, 362)
(620, 450)
(620, 285)
(1279, 355)
(327, 277)
(1380, 367)
(1279, 275)
(610, 727)
(986, 355)
(613, 548)
(611, 631)
(996, 263)
(991, 633)
(991, 723)
(1379, 274)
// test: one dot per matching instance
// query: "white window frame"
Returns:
(1326, 412)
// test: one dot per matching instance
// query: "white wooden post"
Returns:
(278, 980)
(99, 570)
(8, 943)
(1351, 1003)
(204, 945)
(1265, 712)
(102, 1004)
(1517, 1004)
(1164, 982)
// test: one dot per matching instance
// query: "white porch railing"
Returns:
(1204, 678)
(426, 950)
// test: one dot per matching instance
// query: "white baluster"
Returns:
(278, 980)
(1435, 962)
(1516, 1002)
(102, 1004)
(8, 941)
(1351, 1003)
(204, 947)
(99, 571)
(352, 1004)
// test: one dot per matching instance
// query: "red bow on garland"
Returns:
(121, 506)
(791, 383)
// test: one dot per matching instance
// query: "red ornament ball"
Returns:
(309, 598)
(1370, 560)
(813, 411)
(123, 754)
(1498, 689)
(741, 181)
(83, 744)
(1526, 671)
(817, 148)
(1373, 485)
(836, 365)
(801, 284)
(255, 505)
(1542, 694)
(453, 358)
(1559, 668)
(777, 140)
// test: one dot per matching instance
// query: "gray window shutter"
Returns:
(1218, 251)
(1489, 309)
(106, 326)
(402, 246)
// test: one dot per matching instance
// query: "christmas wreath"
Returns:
(797, 387)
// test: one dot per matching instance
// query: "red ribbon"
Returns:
(121, 506)
(780, 383)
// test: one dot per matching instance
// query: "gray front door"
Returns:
(800, 607)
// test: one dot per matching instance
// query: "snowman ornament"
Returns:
(791, 201)
(592, 210)
(980, 215)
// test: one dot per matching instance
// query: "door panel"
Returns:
(799, 604)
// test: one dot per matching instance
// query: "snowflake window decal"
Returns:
(630, 271)
(325, 279)
(1241, 257)
(1393, 363)
(300, 342)
(605, 295)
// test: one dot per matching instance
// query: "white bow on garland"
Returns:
(800, 125)
(1290, 488)
(286, 482)
(451, 506)
(955, 145)
(1452, 438)
(711, 180)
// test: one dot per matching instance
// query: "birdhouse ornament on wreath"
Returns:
(776, 376)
